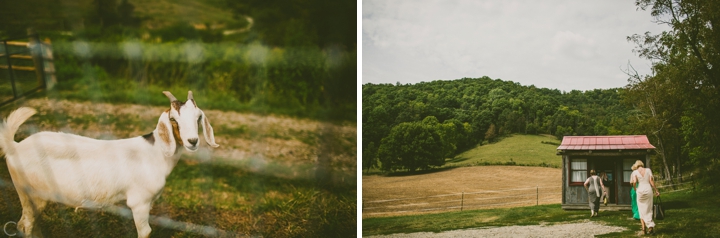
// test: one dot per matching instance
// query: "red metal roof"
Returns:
(634, 142)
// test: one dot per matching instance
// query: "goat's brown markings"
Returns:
(175, 127)
(163, 133)
(176, 132)
(149, 138)
(206, 124)
(177, 105)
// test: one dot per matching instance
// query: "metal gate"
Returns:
(24, 66)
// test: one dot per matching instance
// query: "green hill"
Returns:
(518, 149)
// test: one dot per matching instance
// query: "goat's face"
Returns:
(181, 125)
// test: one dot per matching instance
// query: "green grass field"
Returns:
(688, 214)
(226, 198)
(254, 196)
(517, 149)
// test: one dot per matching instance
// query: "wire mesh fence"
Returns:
(272, 176)
(675, 184)
(10, 227)
(529, 196)
(210, 198)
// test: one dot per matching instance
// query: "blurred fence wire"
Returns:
(258, 191)
(160, 221)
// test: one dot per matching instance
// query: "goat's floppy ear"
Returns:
(208, 130)
(164, 131)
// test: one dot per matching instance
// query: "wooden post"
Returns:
(42, 57)
(36, 53)
(49, 64)
(10, 70)
(537, 195)
(462, 201)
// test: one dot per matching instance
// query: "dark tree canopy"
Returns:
(469, 111)
(413, 146)
(679, 103)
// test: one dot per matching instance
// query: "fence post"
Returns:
(537, 195)
(11, 74)
(48, 64)
(36, 53)
(462, 201)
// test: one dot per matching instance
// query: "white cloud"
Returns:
(574, 45)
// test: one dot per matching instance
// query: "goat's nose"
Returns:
(193, 141)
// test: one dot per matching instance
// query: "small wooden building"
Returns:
(613, 155)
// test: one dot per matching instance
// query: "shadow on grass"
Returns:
(456, 160)
(672, 205)
(419, 172)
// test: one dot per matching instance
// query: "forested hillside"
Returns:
(460, 114)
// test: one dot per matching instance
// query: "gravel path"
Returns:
(585, 229)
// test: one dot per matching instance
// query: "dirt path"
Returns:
(470, 187)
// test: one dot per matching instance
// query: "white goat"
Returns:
(87, 173)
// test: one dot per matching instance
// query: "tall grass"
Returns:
(305, 82)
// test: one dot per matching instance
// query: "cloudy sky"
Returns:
(566, 45)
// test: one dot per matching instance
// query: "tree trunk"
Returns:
(662, 155)
(677, 161)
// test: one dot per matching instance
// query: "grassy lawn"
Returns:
(222, 196)
(688, 214)
(251, 195)
(520, 149)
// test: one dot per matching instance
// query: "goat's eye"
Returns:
(172, 119)
(199, 118)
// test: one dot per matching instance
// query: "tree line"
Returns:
(417, 126)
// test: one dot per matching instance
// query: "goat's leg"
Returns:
(32, 209)
(141, 215)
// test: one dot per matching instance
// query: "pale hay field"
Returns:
(484, 187)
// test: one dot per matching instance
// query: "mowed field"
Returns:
(466, 188)
(533, 150)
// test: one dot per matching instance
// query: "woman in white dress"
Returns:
(643, 177)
